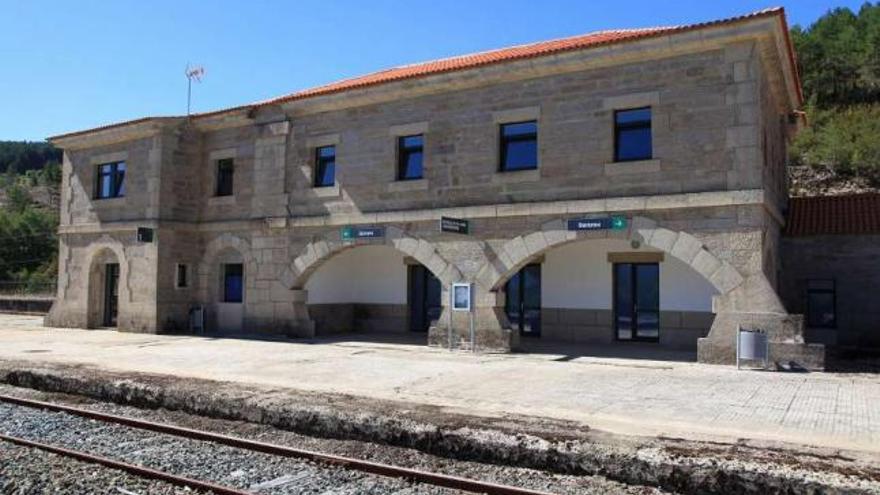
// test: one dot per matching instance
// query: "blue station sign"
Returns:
(604, 223)
(354, 233)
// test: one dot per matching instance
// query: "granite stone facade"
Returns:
(721, 99)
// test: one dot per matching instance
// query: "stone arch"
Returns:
(213, 250)
(318, 252)
(519, 251)
(105, 250)
(104, 244)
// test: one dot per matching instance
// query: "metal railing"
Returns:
(27, 289)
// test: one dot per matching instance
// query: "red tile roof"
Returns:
(834, 215)
(521, 52)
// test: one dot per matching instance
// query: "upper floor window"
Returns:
(632, 135)
(821, 304)
(182, 279)
(409, 157)
(325, 166)
(111, 181)
(225, 173)
(519, 146)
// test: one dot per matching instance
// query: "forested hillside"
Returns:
(839, 59)
(28, 216)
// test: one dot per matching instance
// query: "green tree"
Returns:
(18, 198)
(839, 63)
(839, 57)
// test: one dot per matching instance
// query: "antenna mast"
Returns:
(196, 73)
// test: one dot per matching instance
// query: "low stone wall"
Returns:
(678, 329)
(331, 319)
(25, 305)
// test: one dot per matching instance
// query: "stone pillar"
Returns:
(491, 329)
(270, 199)
(300, 324)
(755, 305)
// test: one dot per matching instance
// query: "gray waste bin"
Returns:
(752, 345)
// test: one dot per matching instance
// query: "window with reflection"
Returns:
(519, 146)
(233, 283)
(409, 157)
(325, 166)
(632, 135)
(111, 181)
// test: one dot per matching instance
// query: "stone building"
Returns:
(619, 186)
(831, 267)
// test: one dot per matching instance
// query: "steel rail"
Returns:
(140, 471)
(436, 479)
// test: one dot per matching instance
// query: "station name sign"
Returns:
(605, 223)
(454, 225)
(353, 233)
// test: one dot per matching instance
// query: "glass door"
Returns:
(424, 298)
(111, 294)
(523, 305)
(637, 301)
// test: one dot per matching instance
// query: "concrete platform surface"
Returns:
(634, 397)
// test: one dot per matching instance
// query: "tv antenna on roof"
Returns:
(197, 73)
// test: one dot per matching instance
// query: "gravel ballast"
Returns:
(521, 477)
(196, 459)
(511, 441)
(25, 470)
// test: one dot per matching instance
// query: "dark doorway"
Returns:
(424, 298)
(111, 294)
(637, 301)
(523, 303)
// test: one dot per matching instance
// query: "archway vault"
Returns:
(319, 251)
(520, 250)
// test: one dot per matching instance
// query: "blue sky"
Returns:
(72, 65)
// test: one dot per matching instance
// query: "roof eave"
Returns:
(114, 133)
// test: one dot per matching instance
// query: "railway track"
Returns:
(328, 461)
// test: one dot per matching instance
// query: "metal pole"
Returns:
(473, 332)
(738, 332)
(449, 310)
(189, 83)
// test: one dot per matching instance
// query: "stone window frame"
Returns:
(312, 145)
(512, 116)
(629, 101)
(213, 158)
(396, 132)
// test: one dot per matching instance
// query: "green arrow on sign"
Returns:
(618, 223)
(347, 233)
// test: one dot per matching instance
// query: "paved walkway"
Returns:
(619, 395)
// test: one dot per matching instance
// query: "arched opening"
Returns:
(104, 287)
(375, 290)
(609, 297)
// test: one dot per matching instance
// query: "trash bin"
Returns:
(752, 345)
